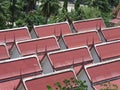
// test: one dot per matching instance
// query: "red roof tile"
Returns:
(91, 24)
(15, 34)
(115, 21)
(77, 69)
(4, 53)
(118, 15)
(40, 83)
(70, 57)
(111, 33)
(104, 71)
(108, 50)
(52, 29)
(114, 82)
(9, 85)
(16, 67)
(38, 45)
(81, 39)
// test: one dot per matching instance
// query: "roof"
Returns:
(4, 52)
(111, 34)
(38, 45)
(118, 14)
(14, 34)
(19, 66)
(81, 39)
(9, 85)
(52, 29)
(77, 69)
(115, 21)
(103, 71)
(41, 82)
(69, 57)
(89, 24)
(108, 50)
(113, 82)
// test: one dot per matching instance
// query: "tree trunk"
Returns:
(46, 19)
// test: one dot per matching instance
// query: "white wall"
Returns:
(61, 44)
(21, 87)
(94, 55)
(33, 34)
(46, 66)
(14, 52)
(101, 36)
(82, 76)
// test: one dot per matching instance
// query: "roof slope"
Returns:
(40, 83)
(111, 34)
(38, 45)
(16, 67)
(4, 53)
(108, 50)
(9, 85)
(15, 34)
(104, 71)
(90, 24)
(70, 57)
(52, 29)
(81, 39)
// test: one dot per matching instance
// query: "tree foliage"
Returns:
(49, 7)
(71, 84)
(109, 86)
(17, 13)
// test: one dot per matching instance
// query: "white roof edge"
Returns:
(110, 28)
(16, 59)
(82, 32)
(65, 50)
(88, 19)
(30, 40)
(34, 55)
(100, 63)
(11, 29)
(44, 75)
(51, 24)
(106, 43)
(3, 44)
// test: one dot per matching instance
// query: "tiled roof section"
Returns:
(4, 53)
(70, 57)
(52, 29)
(81, 39)
(38, 45)
(108, 50)
(91, 24)
(15, 34)
(118, 15)
(104, 71)
(115, 21)
(42, 82)
(112, 83)
(111, 34)
(9, 85)
(16, 67)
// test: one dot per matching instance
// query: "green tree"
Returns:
(65, 5)
(49, 7)
(77, 4)
(71, 84)
(109, 86)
